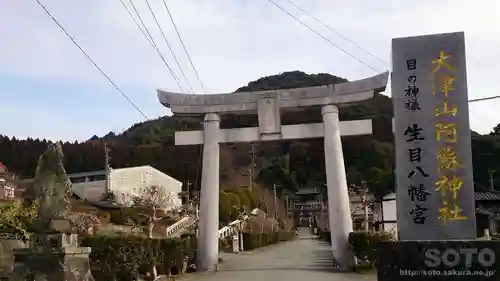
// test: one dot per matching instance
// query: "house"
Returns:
(124, 183)
(8, 186)
(385, 214)
(487, 212)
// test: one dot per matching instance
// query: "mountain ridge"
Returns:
(288, 163)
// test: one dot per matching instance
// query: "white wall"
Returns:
(390, 213)
(91, 191)
(127, 183)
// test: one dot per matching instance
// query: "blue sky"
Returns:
(49, 90)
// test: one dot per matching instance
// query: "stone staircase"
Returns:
(233, 227)
(188, 222)
(181, 226)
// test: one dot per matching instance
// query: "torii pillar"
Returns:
(268, 105)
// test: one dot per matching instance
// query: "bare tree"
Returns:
(362, 204)
(152, 201)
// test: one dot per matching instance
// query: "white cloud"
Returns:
(232, 43)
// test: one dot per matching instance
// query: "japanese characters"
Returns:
(434, 181)
(417, 190)
(448, 184)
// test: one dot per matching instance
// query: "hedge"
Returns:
(364, 245)
(129, 257)
(325, 235)
(256, 240)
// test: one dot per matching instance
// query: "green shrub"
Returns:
(256, 240)
(118, 217)
(245, 200)
(225, 207)
(129, 257)
(226, 245)
(325, 235)
(364, 245)
(234, 200)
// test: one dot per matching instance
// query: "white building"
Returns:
(385, 212)
(124, 183)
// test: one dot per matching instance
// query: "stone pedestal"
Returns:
(53, 257)
(457, 260)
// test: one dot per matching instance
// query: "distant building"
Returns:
(306, 204)
(385, 214)
(8, 187)
(124, 183)
(487, 212)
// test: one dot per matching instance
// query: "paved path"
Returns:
(304, 259)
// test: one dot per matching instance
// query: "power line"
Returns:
(184, 46)
(91, 60)
(152, 42)
(169, 46)
(483, 99)
(323, 37)
(336, 32)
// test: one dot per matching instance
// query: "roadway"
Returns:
(305, 258)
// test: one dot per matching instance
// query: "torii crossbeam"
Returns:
(269, 105)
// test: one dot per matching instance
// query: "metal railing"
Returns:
(305, 206)
(181, 224)
(234, 226)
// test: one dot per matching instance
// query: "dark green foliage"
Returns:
(289, 164)
(126, 258)
(256, 240)
(364, 245)
(226, 245)
(290, 80)
(325, 236)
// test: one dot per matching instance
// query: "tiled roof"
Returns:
(487, 195)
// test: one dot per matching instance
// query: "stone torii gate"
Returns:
(268, 105)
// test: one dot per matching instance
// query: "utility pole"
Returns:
(188, 185)
(252, 169)
(275, 202)
(107, 169)
(490, 172)
(364, 192)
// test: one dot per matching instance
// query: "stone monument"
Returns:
(268, 106)
(54, 253)
(434, 181)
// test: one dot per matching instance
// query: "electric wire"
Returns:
(484, 99)
(184, 47)
(91, 60)
(336, 32)
(153, 43)
(169, 46)
(322, 36)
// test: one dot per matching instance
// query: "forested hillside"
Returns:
(290, 164)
